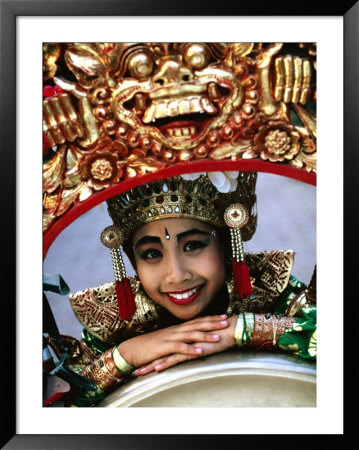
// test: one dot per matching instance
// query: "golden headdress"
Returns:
(181, 196)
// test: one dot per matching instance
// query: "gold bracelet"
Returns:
(103, 373)
(110, 366)
(243, 329)
(268, 328)
(122, 365)
(274, 326)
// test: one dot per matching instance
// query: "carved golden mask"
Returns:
(175, 94)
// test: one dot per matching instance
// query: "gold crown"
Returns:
(179, 197)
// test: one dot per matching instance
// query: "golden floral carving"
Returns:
(277, 141)
(101, 168)
(280, 141)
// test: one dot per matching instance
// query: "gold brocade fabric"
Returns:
(96, 308)
(270, 273)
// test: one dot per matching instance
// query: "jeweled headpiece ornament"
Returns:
(236, 217)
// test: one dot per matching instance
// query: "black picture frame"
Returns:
(10, 10)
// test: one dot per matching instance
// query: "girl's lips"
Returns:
(185, 297)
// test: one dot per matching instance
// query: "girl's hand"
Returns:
(224, 341)
(175, 340)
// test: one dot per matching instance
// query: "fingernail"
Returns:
(223, 316)
(198, 350)
(158, 367)
(215, 336)
(223, 322)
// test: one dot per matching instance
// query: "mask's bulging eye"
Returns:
(140, 65)
(196, 56)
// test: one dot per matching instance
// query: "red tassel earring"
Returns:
(235, 217)
(112, 238)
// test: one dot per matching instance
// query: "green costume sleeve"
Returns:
(296, 332)
(301, 338)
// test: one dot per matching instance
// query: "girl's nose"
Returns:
(177, 270)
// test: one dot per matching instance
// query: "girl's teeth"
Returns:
(184, 295)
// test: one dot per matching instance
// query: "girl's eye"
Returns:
(151, 255)
(194, 245)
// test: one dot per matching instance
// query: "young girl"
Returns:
(195, 292)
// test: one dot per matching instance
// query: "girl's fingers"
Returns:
(182, 348)
(198, 320)
(178, 339)
(196, 336)
(172, 360)
(148, 368)
(192, 352)
(143, 371)
(163, 363)
(217, 317)
(207, 325)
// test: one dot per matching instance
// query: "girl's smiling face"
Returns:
(180, 264)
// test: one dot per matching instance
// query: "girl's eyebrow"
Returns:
(148, 240)
(191, 232)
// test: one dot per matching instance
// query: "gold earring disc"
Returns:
(236, 216)
(111, 237)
